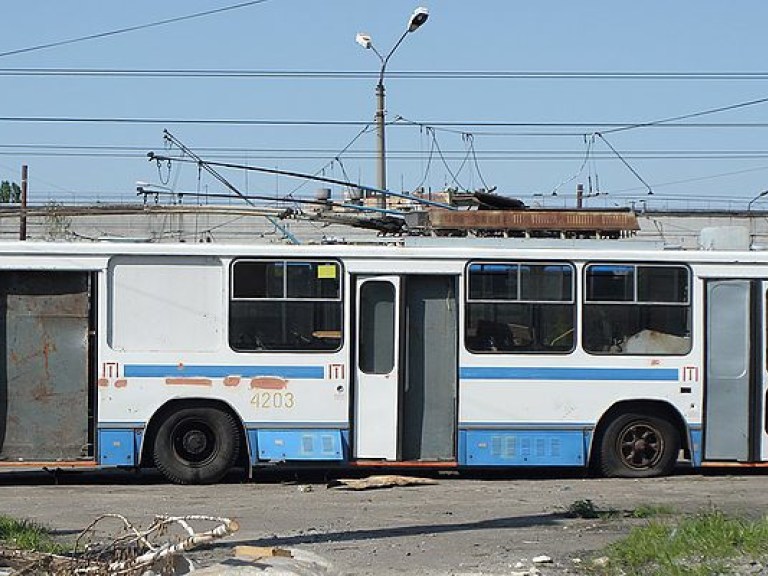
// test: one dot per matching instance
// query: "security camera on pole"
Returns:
(418, 18)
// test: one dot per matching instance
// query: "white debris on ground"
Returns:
(126, 550)
(255, 561)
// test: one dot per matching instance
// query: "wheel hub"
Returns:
(195, 442)
(642, 447)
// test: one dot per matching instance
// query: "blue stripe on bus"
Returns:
(193, 371)
(547, 373)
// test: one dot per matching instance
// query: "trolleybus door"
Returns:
(406, 368)
(762, 352)
(734, 419)
(44, 366)
(377, 373)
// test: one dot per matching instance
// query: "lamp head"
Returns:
(364, 40)
(418, 18)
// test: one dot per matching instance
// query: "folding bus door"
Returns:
(406, 373)
(734, 418)
(377, 368)
(762, 386)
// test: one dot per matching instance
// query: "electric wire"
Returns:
(445, 162)
(337, 157)
(718, 110)
(465, 158)
(624, 161)
(605, 126)
(589, 141)
(357, 74)
(695, 179)
(471, 139)
(130, 29)
(404, 155)
(428, 165)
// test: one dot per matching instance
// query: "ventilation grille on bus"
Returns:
(510, 447)
(326, 441)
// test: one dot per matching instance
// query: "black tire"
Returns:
(197, 445)
(639, 446)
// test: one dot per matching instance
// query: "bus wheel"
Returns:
(639, 446)
(196, 445)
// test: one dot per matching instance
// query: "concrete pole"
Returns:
(381, 169)
(23, 211)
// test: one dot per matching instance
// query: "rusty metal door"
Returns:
(44, 392)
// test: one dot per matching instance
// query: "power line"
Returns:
(688, 116)
(365, 74)
(130, 28)
(117, 120)
(406, 155)
(627, 164)
(606, 125)
(695, 179)
(234, 151)
(293, 174)
(336, 158)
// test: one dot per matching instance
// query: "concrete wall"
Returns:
(241, 226)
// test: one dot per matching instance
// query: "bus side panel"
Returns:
(44, 365)
(165, 338)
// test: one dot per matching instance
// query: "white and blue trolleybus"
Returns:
(200, 359)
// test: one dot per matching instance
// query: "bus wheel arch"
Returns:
(195, 441)
(638, 439)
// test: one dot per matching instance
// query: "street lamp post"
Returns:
(755, 199)
(749, 213)
(418, 18)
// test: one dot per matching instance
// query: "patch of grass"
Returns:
(651, 510)
(28, 535)
(587, 509)
(582, 509)
(694, 546)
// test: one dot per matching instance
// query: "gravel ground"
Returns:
(479, 524)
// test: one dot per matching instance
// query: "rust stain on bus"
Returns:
(121, 383)
(46, 464)
(188, 382)
(605, 221)
(269, 383)
(103, 382)
(232, 381)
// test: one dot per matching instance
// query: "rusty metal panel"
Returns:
(534, 220)
(43, 365)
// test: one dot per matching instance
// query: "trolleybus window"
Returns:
(637, 309)
(285, 305)
(520, 307)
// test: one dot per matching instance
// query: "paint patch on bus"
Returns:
(188, 382)
(121, 383)
(232, 381)
(269, 383)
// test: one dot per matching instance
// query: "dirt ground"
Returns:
(480, 524)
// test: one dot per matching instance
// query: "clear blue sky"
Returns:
(77, 161)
